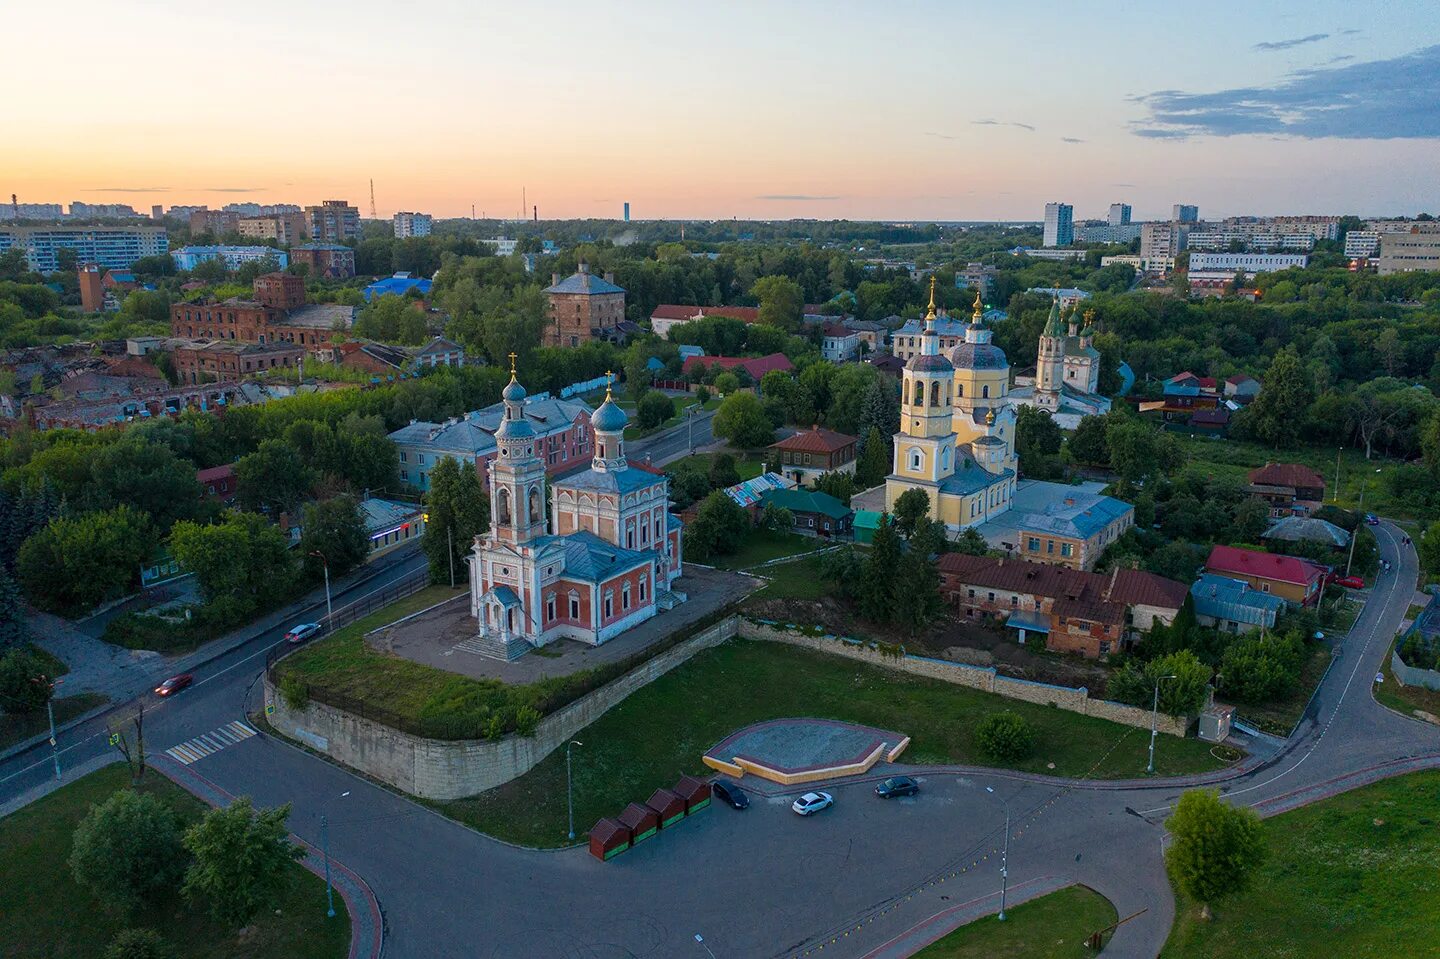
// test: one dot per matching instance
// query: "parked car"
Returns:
(302, 632)
(812, 803)
(730, 794)
(1351, 582)
(897, 786)
(174, 684)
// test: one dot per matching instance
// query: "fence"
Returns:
(362, 607)
(1410, 676)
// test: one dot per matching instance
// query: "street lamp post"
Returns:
(1004, 854)
(1154, 721)
(701, 939)
(1350, 557)
(1336, 497)
(325, 849)
(329, 612)
(569, 787)
(50, 685)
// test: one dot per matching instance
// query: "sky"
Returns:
(788, 108)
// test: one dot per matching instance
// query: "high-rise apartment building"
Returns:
(286, 229)
(333, 221)
(214, 222)
(412, 224)
(1119, 214)
(1413, 250)
(107, 211)
(1160, 239)
(1185, 213)
(112, 247)
(31, 211)
(1059, 224)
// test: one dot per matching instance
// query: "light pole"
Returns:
(50, 685)
(1350, 557)
(1154, 720)
(1004, 853)
(1336, 497)
(329, 613)
(701, 939)
(569, 787)
(325, 849)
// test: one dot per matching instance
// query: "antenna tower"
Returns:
(373, 214)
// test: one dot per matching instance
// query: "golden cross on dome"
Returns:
(930, 310)
(979, 307)
(512, 366)
(609, 378)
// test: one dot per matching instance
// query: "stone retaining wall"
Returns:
(444, 769)
(983, 678)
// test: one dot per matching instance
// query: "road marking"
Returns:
(210, 743)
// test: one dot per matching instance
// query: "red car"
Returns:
(174, 684)
(1351, 582)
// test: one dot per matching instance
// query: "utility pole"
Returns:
(50, 685)
(1335, 498)
(1154, 721)
(325, 850)
(569, 788)
(1004, 853)
(450, 553)
(329, 612)
(1350, 557)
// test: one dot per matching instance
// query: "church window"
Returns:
(601, 448)
(644, 533)
(504, 507)
(550, 608)
(657, 527)
(935, 393)
(625, 596)
(959, 390)
(629, 535)
(609, 604)
(945, 459)
(985, 392)
(511, 618)
(1066, 549)
(574, 606)
(536, 511)
(919, 393)
(917, 459)
(643, 581)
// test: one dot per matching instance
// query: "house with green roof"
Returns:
(818, 513)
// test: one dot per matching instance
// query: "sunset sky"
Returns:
(960, 110)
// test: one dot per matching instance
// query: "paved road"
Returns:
(675, 442)
(767, 883)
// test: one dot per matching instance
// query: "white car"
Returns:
(302, 632)
(813, 802)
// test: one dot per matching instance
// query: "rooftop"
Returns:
(676, 311)
(1078, 518)
(1220, 597)
(1130, 587)
(815, 440)
(1286, 474)
(381, 515)
(586, 283)
(1296, 528)
(1249, 562)
(806, 501)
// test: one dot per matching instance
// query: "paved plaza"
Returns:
(800, 750)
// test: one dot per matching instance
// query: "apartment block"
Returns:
(112, 247)
(1059, 224)
(286, 229)
(411, 224)
(333, 221)
(1402, 252)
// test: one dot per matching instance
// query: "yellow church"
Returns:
(957, 428)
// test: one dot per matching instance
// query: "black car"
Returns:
(730, 794)
(897, 786)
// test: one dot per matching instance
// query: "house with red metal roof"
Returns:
(756, 366)
(1297, 581)
(812, 453)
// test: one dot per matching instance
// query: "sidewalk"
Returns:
(123, 674)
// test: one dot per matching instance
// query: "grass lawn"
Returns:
(1351, 876)
(1235, 458)
(1281, 716)
(45, 913)
(682, 403)
(1404, 699)
(53, 666)
(763, 545)
(1051, 927)
(21, 726)
(746, 465)
(798, 580)
(661, 731)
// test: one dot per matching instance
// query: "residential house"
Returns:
(440, 352)
(1233, 605)
(755, 366)
(332, 261)
(1297, 581)
(1241, 388)
(818, 513)
(838, 343)
(667, 316)
(1214, 422)
(390, 524)
(1075, 531)
(218, 482)
(1289, 488)
(1081, 612)
(873, 334)
(812, 453)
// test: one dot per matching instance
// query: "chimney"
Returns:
(584, 267)
(609, 277)
(554, 279)
(1069, 501)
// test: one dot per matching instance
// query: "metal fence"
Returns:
(362, 607)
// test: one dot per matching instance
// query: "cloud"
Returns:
(942, 136)
(1272, 45)
(1380, 100)
(1131, 185)
(990, 122)
(234, 189)
(126, 189)
(1340, 59)
(794, 196)
(1349, 33)
(1072, 140)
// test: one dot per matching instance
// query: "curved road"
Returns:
(864, 879)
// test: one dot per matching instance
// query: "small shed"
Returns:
(1215, 723)
(642, 822)
(695, 792)
(865, 524)
(668, 806)
(608, 838)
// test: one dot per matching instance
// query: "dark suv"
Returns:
(897, 786)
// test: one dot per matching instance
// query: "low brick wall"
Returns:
(442, 769)
(983, 678)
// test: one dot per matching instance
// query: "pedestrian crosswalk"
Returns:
(212, 742)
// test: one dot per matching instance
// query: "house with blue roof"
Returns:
(1233, 605)
(399, 284)
(1074, 531)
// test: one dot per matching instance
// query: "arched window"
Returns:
(536, 512)
(919, 393)
(935, 393)
(985, 392)
(503, 510)
(945, 458)
(959, 390)
(917, 459)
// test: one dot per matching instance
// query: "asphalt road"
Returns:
(766, 882)
(674, 442)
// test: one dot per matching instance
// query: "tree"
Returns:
(910, 507)
(12, 614)
(653, 409)
(1216, 847)
(1184, 695)
(127, 849)
(971, 543)
(741, 419)
(137, 944)
(777, 518)
(1005, 736)
(238, 563)
(24, 687)
(702, 395)
(1087, 443)
(1274, 415)
(877, 600)
(146, 476)
(719, 526)
(335, 529)
(77, 562)
(242, 858)
(836, 483)
(1428, 546)
(781, 301)
(727, 383)
(873, 463)
(272, 478)
(1252, 519)
(723, 471)
(457, 511)
(392, 319)
(916, 587)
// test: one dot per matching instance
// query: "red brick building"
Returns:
(585, 307)
(375, 358)
(281, 291)
(266, 319)
(331, 261)
(210, 361)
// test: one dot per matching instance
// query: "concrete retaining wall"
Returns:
(1410, 676)
(443, 769)
(985, 679)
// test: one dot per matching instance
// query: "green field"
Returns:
(1050, 927)
(747, 465)
(662, 731)
(762, 545)
(801, 579)
(1352, 876)
(45, 914)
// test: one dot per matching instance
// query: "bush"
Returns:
(127, 849)
(20, 690)
(1005, 736)
(137, 944)
(295, 692)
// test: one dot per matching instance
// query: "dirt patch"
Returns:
(950, 637)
